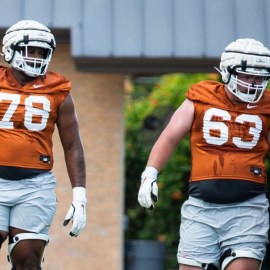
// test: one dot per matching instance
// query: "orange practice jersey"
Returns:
(27, 119)
(228, 141)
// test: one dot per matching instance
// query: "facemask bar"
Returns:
(252, 92)
(32, 67)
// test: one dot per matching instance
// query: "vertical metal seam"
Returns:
(112, 27)
(234, 16)
(81, 27)
(52, 13)
(173, 28)
(22, 9)
(204, 29)
(143, 32)
(266, 23)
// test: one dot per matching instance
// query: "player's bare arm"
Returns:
(178, 127)
(69, 134)
(67, 124)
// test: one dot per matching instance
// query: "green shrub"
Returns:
(156, 101)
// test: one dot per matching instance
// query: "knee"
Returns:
(230, 255)
(25, 250)
(31, 267)
(30, 262)
(39, 268)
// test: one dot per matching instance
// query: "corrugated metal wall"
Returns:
(172, 29)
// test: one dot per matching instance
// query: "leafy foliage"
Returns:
(148, 109)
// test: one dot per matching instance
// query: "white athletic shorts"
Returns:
(207, 229)
(28, 204)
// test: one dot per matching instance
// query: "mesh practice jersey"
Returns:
(27, 119)
(228, 141)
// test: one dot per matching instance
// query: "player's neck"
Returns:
(231, 96)
(21, 77)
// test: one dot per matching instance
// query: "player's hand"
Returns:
(77, 211)
(148, 193)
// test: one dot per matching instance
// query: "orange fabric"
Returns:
(27, 118)
(228, 141)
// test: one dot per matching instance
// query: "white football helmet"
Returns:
(22, 35)
(246, 56)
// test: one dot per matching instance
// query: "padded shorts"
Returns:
(207, 229)
(28, 204)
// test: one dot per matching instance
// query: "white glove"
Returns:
(148, 193)
(77, 211)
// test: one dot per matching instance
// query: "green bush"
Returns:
(156, 101)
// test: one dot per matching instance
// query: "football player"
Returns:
(32, 101)
(224, 222)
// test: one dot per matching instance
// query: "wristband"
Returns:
(79, 195)
(150, 172)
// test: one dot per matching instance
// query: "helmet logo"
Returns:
(260, 61)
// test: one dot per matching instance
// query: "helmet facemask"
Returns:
(31, 66)
(245, 68)
(251, 91)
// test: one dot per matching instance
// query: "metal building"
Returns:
(146, 35)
